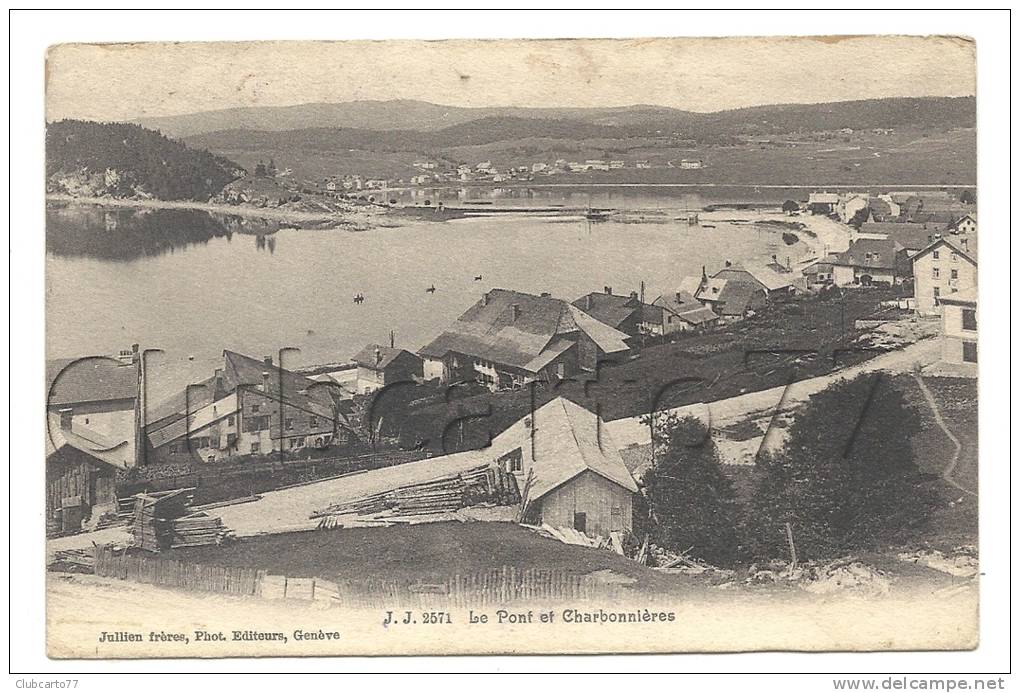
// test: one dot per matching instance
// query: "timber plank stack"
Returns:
(165, 519)
(198, 529)
(484, 484)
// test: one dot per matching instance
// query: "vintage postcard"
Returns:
(508, 347)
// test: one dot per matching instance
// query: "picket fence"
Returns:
(495, 587)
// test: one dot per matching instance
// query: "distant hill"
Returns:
(408, 115)
(85, 158)
(386, 115)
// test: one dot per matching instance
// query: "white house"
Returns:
(945, 266)
(959, 327)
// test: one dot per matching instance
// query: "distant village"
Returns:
(107, 442)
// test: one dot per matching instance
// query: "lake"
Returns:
(193, 284)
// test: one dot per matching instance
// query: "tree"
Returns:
(968, 197)
(692, 503)
(846, 479)
(790, 206)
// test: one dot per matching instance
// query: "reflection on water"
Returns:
(125, 234)
(179, 281)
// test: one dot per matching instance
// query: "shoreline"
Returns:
(358, 218)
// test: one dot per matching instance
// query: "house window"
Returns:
(970, 352)
(935, 292)
(255, 447)
(512, 461)
(969, 319)
(255, 408)
(954, 274)
(230, 420)
(934, 255)
(313, 421)
(289, 424)
(231, 439)
(953, 257)
(934, 272)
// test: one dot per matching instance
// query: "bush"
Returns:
(846, 479)
(692, 503)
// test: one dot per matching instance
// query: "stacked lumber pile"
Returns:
(487, 484)
(166, 519)
(198, 529)
(74, 561)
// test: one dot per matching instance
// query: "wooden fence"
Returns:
(487, 588)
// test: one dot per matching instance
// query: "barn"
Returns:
(578, 478)
(81, 474)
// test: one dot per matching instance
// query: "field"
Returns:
(905, 157)
(424, 551)
(793, 340)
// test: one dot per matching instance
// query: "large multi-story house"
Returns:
(959, 327)
(248, 407)
(98, 394)
(943, 267)
(509, 338)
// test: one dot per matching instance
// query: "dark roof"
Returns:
(244, 371)
(611, 309)
(908, 234)
(89, 379)
(678, 302)
(699, 316)
(870, 253)
(736, 297)
(366, 357)
(489, 330)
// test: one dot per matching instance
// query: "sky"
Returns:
(128, 81)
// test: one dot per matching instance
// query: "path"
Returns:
(631, 431)
(947, 473)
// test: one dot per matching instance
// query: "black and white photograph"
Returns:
(495, 347)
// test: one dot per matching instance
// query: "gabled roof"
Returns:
(870, 253)
(568, 440)
(736, 297)
(823, 198)
(698, 316)
(199, 419)
(970, 254)
(513, 328)
(240, 371)
(690, 285)
(114, 453)
(767, 277)
(680, 301)
(610, 309)
(89, 379)
(366, 357)
(712, 289)
(910, 235)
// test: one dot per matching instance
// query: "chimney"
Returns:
(485, 299)
(633, 294)
(642, 291)
(546, 294)
(268, 360)
(65, 419)
(774, 259)
(134, 353)
(704, 274)
(728, 263)
(515, 312)
(392, 339)
(378, 356)
(587, 302)
(607, 289)
(218, 382)
(264, 387)
(679, 298)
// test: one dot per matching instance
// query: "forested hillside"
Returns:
(85, 158)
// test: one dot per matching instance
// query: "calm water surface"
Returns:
(193, 284)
